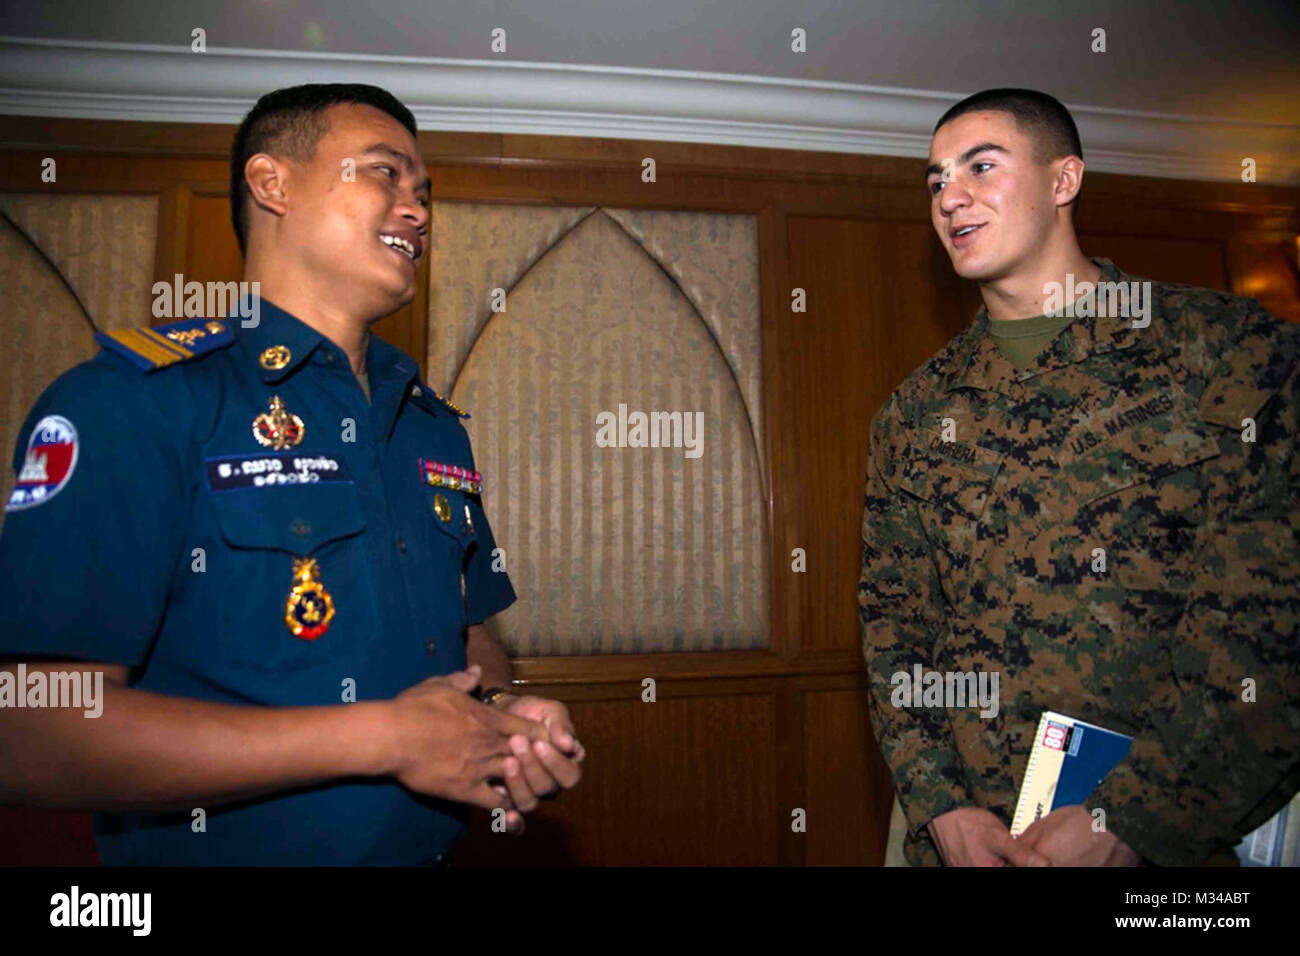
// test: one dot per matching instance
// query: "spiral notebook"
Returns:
(1069, 758)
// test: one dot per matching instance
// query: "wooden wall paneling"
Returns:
(212, 252)
(791, 750)
(775, 290)
(187, 142)
(610, 668)
(1266, 266)
(144, 140)
(408, 327)
(1188, 261)
(83, 172)
(865, 329)
(687, 780)
(849, 788)
(172, 244)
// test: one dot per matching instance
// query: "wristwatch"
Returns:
(489, 696)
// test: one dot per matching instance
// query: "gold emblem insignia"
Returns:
(276, 357)
(441, 508)
(278, 428)
(188, 337)
(215, 327)
(309, 608)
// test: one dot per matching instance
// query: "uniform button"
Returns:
(401, 545)
(430, 647)
(329, 358)
(417, 392)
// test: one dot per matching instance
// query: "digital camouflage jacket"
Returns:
(1112, 530)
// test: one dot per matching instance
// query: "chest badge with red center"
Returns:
(278, 428)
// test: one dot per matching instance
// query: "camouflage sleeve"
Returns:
(1236, 725)
(903, 615)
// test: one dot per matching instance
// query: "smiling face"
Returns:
(993, 204)
(359, 211)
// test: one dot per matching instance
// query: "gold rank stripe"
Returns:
(150, 345)
(180, 350)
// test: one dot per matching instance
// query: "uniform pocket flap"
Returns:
(1226, 402)
(939, 479)
(297, 519)
(453, 515)
(1141, 459)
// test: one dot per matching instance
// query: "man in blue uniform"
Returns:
(267, 534)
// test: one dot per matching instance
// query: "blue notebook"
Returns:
(1068, 760)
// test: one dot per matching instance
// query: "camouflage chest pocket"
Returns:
(954, 483)
(1136, 454)
(1132, 470)
(1260, 479)
(952, 497)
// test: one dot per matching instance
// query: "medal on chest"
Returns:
(278, 428)
(309, 608)
(455, 477)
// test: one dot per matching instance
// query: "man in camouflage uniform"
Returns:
(1101, 511)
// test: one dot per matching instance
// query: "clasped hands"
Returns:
(972, 836)
(436, 739)
(540, 770)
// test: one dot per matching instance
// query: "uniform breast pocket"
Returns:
(1254, 465)
(1138, 482)
(292, 587)
(454, 535)
(1137, 470)
(957, 492)
(953, 499)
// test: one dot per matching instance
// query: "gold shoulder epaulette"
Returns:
(450, 404)
(154, 348)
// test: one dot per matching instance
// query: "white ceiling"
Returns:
(1227, 60)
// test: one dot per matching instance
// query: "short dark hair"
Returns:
(1041, 117)
(291, 122)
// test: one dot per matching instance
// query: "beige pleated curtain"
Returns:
(612, 550)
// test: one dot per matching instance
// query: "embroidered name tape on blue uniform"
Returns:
(153, 348)
(237, 472)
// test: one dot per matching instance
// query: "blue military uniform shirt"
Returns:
(151, 528)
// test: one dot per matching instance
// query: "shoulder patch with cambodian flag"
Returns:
(51, 457)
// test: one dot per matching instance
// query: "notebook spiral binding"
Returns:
(1022, 805)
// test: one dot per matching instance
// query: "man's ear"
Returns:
(1069, 180)
(267, 177)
